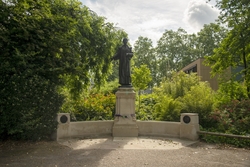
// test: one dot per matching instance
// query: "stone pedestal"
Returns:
(189, 126)
(125, 118)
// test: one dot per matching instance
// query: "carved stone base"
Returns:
(125, 118)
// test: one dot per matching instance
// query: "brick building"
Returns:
(202, 71)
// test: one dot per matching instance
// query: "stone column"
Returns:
(125, 118)
(189, 126)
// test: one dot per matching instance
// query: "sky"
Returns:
(152, 17)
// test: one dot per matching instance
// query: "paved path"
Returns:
(121, 152)
(149, 143)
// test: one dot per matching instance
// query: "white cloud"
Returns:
(199, 13)
(147, 18)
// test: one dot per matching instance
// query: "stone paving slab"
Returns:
(155, 143)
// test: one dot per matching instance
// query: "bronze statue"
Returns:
(124, 55)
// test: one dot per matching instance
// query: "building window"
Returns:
(191, 70)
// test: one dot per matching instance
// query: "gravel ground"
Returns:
(54, 154)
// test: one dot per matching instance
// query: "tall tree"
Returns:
(209, 38)
(144, 54)
(172, 51)
(234, 50)
(46, 44)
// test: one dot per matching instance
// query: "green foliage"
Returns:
(92, 107)
(46, 45)
(233, 117)
(95, 104)
(226, 140)
(176, 49)
(29, 106)
(107, 88)
(141, 77)
(234, 49)
(147, 104)
(184, 93)
(178, 84)
(172, 51)
(199, 99)
(229, 91)
(209, 38)
(144, 54)
(167, 109)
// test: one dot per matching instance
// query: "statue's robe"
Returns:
(124, 64)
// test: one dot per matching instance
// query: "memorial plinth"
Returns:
(125, 118)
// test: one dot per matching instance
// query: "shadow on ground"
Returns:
(98, 152)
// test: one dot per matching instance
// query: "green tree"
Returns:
(144, 54)
(171, 49)
(228, 91)
(234, 50)
(192, 52)
(44, 45)
(175, 49)
(141, 78)
(209, 38)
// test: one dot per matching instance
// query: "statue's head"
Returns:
(125, 40)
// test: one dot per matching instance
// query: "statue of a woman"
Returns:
(124, 55)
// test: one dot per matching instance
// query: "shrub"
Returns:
(199, 100)
(146, 107)
(110, 87)
(228, 91)
(93, 107)
(28, 108)
(179, 84)
(167, 109)
(233, 117)
(188, 94)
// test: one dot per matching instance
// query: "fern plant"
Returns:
(167, 109)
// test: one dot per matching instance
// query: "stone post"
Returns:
(189, 126)
(63, 126)
(125, 118)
